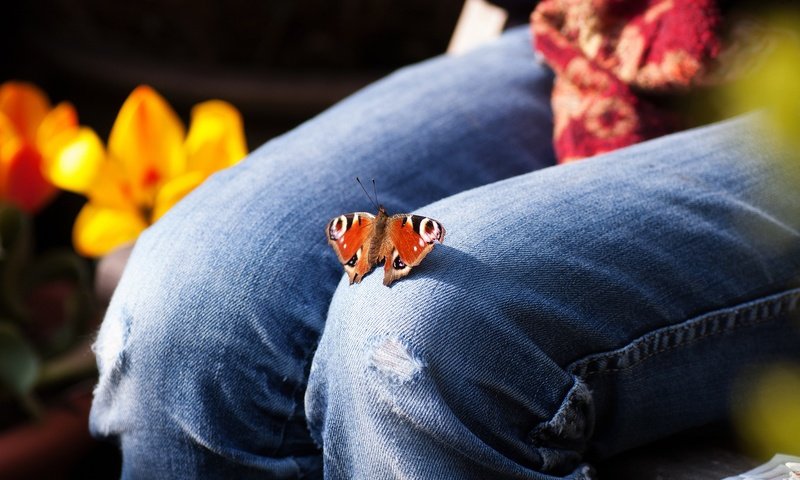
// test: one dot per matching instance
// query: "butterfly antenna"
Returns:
(365, 192)
(375, 191)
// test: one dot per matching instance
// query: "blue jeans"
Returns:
(573, 312)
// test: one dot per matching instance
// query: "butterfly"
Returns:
(362, 240)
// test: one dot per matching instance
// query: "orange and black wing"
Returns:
(408, 239)
(350, 236)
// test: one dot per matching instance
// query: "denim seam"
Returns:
(309, 426)
(307, 359)
(720, 322)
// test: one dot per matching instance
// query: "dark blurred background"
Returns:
(278, 62)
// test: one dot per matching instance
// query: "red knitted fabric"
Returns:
(607, 54)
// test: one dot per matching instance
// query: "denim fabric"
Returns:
(580, 309)
(574, 311)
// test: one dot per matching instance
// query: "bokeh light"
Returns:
(772, 82)
(767, 417)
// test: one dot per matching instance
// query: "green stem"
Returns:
(76, 364)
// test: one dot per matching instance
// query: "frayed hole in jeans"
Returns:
(394, 360)
(562, 440)
(111, 342)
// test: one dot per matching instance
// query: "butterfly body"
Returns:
(362, 240)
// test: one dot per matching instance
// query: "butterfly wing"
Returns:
(350, 236)
(408, 239)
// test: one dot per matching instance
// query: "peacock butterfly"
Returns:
(362, 240)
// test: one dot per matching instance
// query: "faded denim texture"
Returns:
(573, 312)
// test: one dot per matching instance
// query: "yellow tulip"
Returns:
(772, 83)
(30, 131)
(768, 415)
(149, 165)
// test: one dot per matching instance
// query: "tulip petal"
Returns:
(73, 159)
(26, 185)
(174, 190)
(147, 140)
(216, 137)
(98, 229)
(25, 105)
(111, 188)
(61, 119)
(7, 130)
(9, 143)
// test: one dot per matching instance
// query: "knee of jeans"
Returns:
(392, 357)
(187, 347)
(161, 346)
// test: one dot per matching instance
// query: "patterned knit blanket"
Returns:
(610, 55)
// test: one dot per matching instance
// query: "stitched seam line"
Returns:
(717, 323)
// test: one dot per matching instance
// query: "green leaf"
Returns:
(79, 306)
(19, 365)
(78, 311)
(16, 240)
(74, 364)
(61, 264)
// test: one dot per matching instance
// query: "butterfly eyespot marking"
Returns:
(352, 262)
(397, 262)
(430, 230)
(337, 228)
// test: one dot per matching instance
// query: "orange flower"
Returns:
(30, 132)
(149, 165)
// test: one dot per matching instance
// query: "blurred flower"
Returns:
(772, 82)
(30, 131)
(149, 165)
(768, 415)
